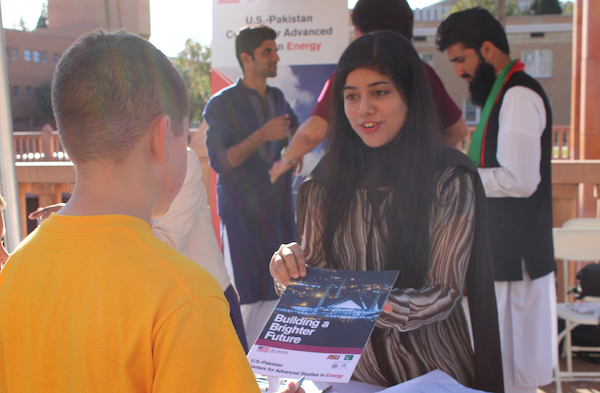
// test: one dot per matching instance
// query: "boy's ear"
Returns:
(158, 138)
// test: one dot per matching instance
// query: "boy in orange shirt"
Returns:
(92, 301)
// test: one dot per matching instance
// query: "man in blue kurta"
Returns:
(248, 125)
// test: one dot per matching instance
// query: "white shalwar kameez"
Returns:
(526, 309)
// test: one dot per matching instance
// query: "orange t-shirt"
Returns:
(99, 304)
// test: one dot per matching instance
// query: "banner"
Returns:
(311, 36)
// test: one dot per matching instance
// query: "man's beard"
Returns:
(481, 85)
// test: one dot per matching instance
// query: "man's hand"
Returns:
(276, 129)
(287, 263)
(44, 212)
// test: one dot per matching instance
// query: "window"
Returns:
(27, 55)
(29, 92)
(16, 91)
(55, 58)
(427, 58)
(538, 63)
(36, 56)
(44, 57)
(15, 54)
(472, 113)
(417, 15)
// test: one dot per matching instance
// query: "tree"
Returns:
(43, 20)
(511, 7)
(44, 99)
(22, 25)
(541, 7)
(194, 65)
(567, 8)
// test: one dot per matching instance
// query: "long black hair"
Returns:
(412, 165)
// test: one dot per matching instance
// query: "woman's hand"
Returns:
(288, 262)
(279, 168)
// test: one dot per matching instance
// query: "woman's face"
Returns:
(374, 107)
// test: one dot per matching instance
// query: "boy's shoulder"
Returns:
(122, 245)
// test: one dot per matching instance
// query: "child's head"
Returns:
(3, 252)
(373, 15)
(107, 89)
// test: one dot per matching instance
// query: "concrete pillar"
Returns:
(590, 80)
(576, 81)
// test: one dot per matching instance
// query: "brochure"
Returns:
(321, 325)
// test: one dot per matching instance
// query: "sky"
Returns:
(170, 27)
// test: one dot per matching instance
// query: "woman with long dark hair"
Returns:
(385, 197)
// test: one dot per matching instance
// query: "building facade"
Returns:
(542, 42)
(32, 55)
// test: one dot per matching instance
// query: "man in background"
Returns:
(248, 125)
(512, 149)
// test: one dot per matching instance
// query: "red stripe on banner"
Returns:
(218, 80)
(228, 1)
(308, 348)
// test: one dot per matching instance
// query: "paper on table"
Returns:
(435, 381)
(350, 387)
(586, 307)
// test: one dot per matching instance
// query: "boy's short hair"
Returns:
(107, 89)
(471, 28)
(373, 15)
(248, 38)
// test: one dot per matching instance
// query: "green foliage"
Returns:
(22, 25)
(43, 20)
(567, 8)
(541, 7)
(511, 7)
(44, 99)
(194, 65)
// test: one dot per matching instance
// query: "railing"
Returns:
(38, 146)
(49, 180)
(561, 135)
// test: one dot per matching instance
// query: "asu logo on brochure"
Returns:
(333, 357)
